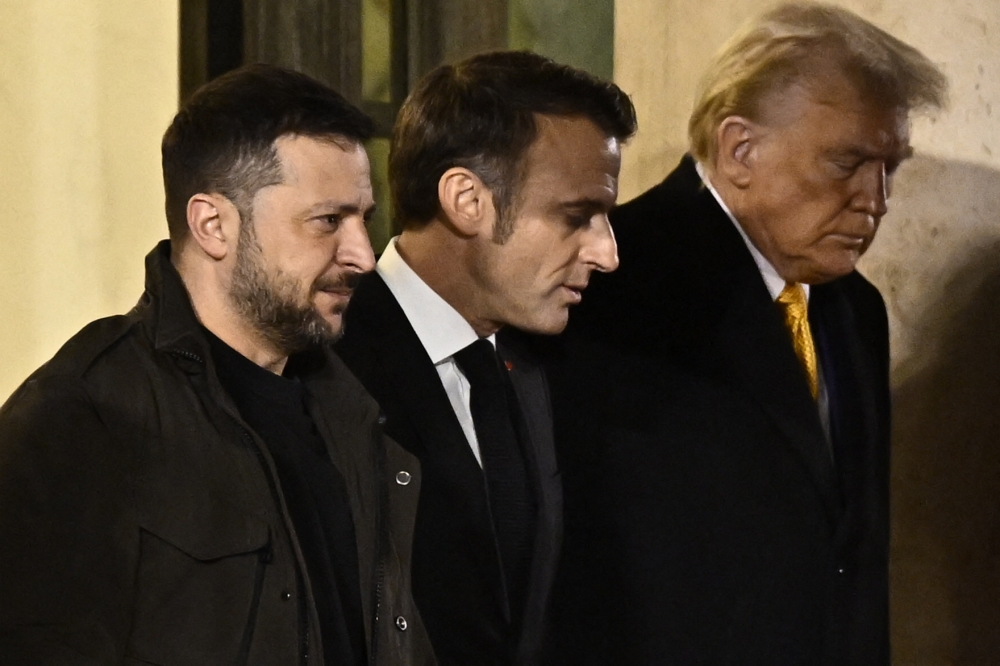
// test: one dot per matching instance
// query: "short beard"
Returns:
(270, 304)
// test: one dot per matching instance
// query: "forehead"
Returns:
(571, 156)
(306, 160)
(318, 177)
(830, 113)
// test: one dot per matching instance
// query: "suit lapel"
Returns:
(533, 398)
(532, 393)
(424, 422)
(432, 429)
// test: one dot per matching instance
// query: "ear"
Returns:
(466, 202)
(213, 222)
(736, 138)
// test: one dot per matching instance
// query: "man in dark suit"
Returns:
(502, 168)
(722, 401)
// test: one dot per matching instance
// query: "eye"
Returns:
(332, 221)
(847, 168)
(577, 220)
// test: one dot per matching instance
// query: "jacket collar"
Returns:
(174, 326)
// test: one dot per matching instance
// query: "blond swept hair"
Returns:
(794, 41)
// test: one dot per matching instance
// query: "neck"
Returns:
(443, 261)
(209, 299)
(732, 197)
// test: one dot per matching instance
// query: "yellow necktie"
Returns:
(792, 300)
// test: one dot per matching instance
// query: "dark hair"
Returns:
(222, 139)
(479, 114)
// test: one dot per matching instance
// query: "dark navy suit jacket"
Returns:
(457, 581)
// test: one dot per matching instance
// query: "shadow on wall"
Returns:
(937, 261)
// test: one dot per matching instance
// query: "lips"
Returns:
(851, 240)
(343, 283)
(337, 286)
(336, 300)
(337, 297)
(575, 291)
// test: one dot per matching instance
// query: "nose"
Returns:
(354, 250)
(599, 250)
(874, 190)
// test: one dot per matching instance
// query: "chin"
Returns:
(827, 268)
(549, 326)
(334, 330)
(825, 274)
(322, 329)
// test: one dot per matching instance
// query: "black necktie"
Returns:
(492, 402)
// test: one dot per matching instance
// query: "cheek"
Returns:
(791, 228)
(530, 268)
(515, 289)
(813, 217)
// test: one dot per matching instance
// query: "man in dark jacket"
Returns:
(722, 410)
(201, 481)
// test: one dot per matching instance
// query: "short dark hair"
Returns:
(222, 139)
(479, 114)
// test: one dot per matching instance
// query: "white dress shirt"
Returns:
(775, 283)
(441, 330)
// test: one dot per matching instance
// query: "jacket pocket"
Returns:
(198, 586)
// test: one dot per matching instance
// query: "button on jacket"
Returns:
(141, 520)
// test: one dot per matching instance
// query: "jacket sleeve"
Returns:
(68, 536)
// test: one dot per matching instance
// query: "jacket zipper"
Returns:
(191, 356)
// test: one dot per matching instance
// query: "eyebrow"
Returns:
(865, 154)
(583, 204)
(326, 207)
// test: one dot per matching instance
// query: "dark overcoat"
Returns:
(709, 518)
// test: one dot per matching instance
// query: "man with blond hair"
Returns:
(722, 401)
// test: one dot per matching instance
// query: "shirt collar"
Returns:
(440, 328)
(775, 283)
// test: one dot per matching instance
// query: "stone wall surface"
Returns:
(936, 261)
(86, 90)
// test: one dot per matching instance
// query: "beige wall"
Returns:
(937, 262)
(86, 89)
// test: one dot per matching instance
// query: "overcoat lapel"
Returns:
(761, 351)
(851, 376)
(759, 347)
